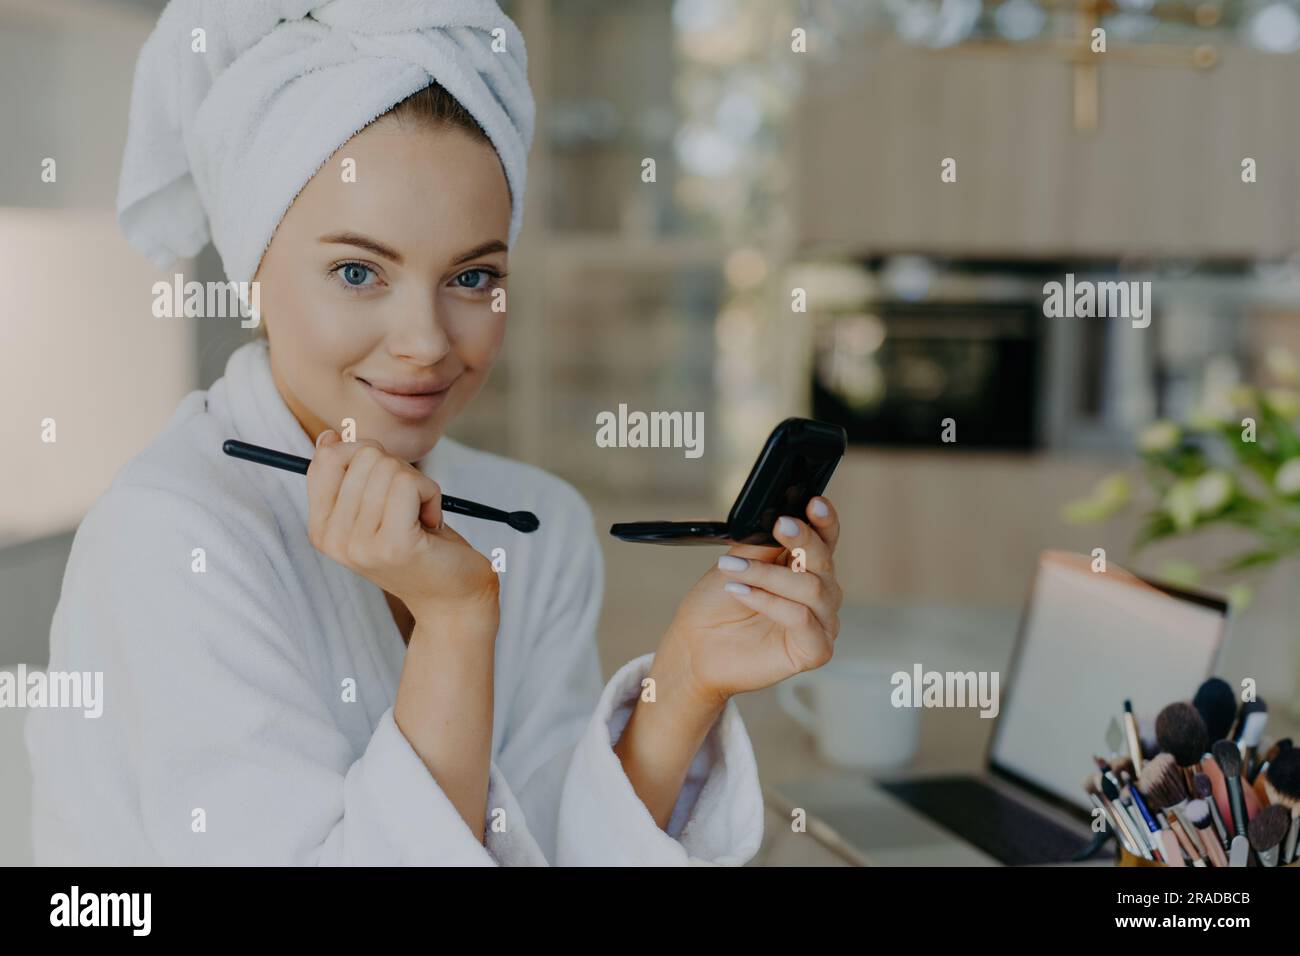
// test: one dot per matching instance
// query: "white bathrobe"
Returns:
(248, 687)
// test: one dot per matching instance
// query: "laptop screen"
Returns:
(1088, 641)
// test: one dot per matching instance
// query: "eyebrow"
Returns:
(388, 252)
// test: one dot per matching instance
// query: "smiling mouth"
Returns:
(407, 407)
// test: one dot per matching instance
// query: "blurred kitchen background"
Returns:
(777, 170)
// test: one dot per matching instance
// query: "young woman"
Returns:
(332, 670)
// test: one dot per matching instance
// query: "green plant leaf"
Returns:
(1280, 429)
(1185, 461)
(1181, 574)
(1251, 559)
(1156, 525)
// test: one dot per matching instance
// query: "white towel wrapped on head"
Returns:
(221, 141)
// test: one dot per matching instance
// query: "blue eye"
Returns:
(487, 275)
(354, 273)
(352, 276)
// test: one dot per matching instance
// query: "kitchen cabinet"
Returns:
(1160, 176)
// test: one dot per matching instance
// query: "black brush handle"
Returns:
(265, 456)
(524, 521)
(1236, 803)
(460, 506)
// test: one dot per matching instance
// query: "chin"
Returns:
(409, 442)
(406, 438)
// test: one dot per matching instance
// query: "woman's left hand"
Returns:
(749, 623)
(754, 619)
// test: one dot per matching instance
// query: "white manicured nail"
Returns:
(735, 587)
(787, 527)
(729, 562)
(819, 508)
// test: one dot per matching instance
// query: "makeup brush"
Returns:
(1164, 839)
(1130, 785)
(1219, 787)
(524, 521)
(1145, 833)
(1162, 784)
(1141, 834)
(1181, 732)
(1118, 773)
(1106, 770)
(1273, 751)
(1239, 855)
(1289, 844)
(1228, 757)
(1283, 782)
(1198, 815)
(1260, 789)
(1131, 734)
(1216, 702)
(1112, 824)
(1147, 736)
(1204, 790)
(1260, 784)
(1267, 831)
(1110, 798)
(1210, 767)
(1248, 708)
(1134, 802)
(1122, 767)
(1253, 722)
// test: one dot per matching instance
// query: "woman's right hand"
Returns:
(382, 518)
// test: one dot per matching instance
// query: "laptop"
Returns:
(1088, 640)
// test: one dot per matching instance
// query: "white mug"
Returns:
(851, 716)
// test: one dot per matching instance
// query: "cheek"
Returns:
(316, 330)
(478, 334)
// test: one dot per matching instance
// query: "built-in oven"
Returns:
(932, 373)
(960, 354)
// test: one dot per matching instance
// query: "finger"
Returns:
(823, 517)
(412, 497)
(326, 469)
(758, 552)
(793, 533)
(375, 496)
(430, 500)
(800, 623)
(812, 590)
(347, 504)
(324, 475)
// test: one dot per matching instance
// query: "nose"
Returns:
(418, 336)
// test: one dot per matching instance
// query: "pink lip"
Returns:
(409, 403)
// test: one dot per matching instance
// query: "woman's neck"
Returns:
(309, 422)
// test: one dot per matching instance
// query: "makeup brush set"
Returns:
(1203, 792)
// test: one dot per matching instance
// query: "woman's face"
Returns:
(378, 294)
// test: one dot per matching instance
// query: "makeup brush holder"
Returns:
(1125, 858)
